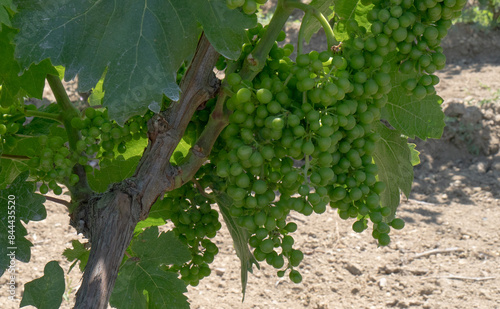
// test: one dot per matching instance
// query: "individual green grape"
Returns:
(384, 239)
(295, 276)
(397, 223)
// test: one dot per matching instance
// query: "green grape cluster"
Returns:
(247, 6)
(54, 164)
(102, 138)
(414, 30)
(11, 121)
(195, 223)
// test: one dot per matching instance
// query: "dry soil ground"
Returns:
(448, 255)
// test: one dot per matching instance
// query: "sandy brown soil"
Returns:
(448, 255)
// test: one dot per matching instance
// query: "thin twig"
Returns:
(461, 278)
(58, 200)
(435, 251)
(202, 190)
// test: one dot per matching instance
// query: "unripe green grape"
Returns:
(57, 190)
(302, 60)
(379, 187)
(73, 179)
(357, 61)
(419, 92)
(90, 113)
(243, 95)
(397, 223)
(44, 189)
(270, 224)
(409, 84)
(259, 186)
(384, 239)
(400, 34)
(296, 256)
(376, 217)
(267, 245)
(264, 95)
(358, 226)
(122, 148)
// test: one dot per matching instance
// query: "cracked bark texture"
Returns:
(108, 219)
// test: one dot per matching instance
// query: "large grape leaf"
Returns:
(140, 43)
(45, 292)
(240, 239)
(28, 206)
(394, 160)
(142, 283)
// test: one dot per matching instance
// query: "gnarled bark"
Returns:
(109, 219)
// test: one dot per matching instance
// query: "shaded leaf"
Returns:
(141, 43)
(393, 158)
(411, 116)
(27, 206)
(142, 283)
(112, 171)
(78, 253)
(224, 28)
(240, 239)
(45, 292)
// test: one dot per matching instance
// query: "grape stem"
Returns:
(81, 190)
(256, 60)
(200, 189)
(199, 153)
(330, 36)
(45, 115)
(14, 157)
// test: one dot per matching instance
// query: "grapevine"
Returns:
(276, 134)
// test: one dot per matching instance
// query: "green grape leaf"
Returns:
(345, 9)
(97, 94)
(350, 10)
(26, 146)
(11, 169)
(42, 126)
(121, 167)
(180, 152)
(158, 214)
(30, 83)
(224, 28)
(4, 14)
(394, 160)
(45, 292)
(19, 197)
(415, 154)
(240, 239)
(141, 44)
(33, 79)
(78, 253)
(112, 171)
(310, 24)
(142, 282)
(411, 116)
